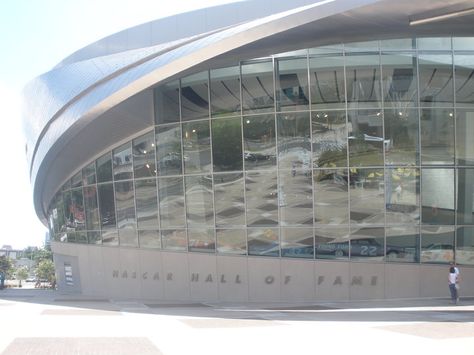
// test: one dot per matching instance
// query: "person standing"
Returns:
(453, 284)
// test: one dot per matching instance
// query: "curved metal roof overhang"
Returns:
(318, 24)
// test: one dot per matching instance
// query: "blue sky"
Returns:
(35, 35)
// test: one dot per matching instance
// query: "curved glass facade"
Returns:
(359, 151)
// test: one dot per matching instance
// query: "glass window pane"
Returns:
(110, 237)
(123, 168)
(369, 46)
(465, 196)
(168, 150)
(398, 44)
(436, 80)
(295, 197)
(174, 239)
(149, 239)
(225, 91)
(94, 237)
(166, 98)
(194, 96)
(437, 244)
(331, 196)
(366, 139)
(196, 147)
(147, 204)
(292, 84)
(363, 81)
(199, 206)
(437, 196)
(126, 220)
(77, 209)
(294, 147)
(367, 196)
(107, 206)
(171, 199)
(261, 198)
(327, 82)
(329, 138)
(257, 87)
(91, 207)
(297, 243)
(88, 174)
(402, 244)
(464, 69)
(263, 241)
(259, 142)
(227, 144)
(331, 243)
(333, 48)
(399, 80)
(461, 43)
(202, 240)
(104, 168)
(401, 137)
(76, 180)
(402, 187)
(465, 246)
(229, 199)
(464, 141)
(367, 243)
(438, 43)
(437, 137)
(144, 156)
(231, 241)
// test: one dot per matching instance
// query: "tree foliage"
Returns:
(45, 270)
(6, 266)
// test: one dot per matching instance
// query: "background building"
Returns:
(314, 150)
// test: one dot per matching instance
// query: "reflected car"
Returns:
(363, 247)
(437, 253)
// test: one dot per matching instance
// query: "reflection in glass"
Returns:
(257, 86)
(367, 46)
(94, 237)
(436, 80)
(327, 82)
(194, 96)
(199, 206)
(202, 240)
(76, 180)
(402, 244)
(297, 243)
(76, 209)
(439, 43)
(465, 245)
(231, 241)
(69, 218)
(437, 244)
(227, 144)
(146, 203)
(225, 91)
(292, 84)
(144, 156)
(437, 196)
(294, 147)
(88, 175)
(262, 205)
(171, 199)
(402, 190)
(196, 147)
(331, 243)
(110, 237)
(126, 220)
(107, 206)
(464, 141)
(149, 239)
(295, 197)
(91, 208)
(259, 142)
(367, 196)
(464, 67)
(123, 168)
(398, 44)
(363, 81)
(366, 138)
(104, 168)
(368, 243)
(168, 150)
(465, 196)
(174, 239)
(437, 136)
(331, 196)
(263, 241)
(166, 98)
(401, 137)
(329, 138)
(229, 199)
(399, 80)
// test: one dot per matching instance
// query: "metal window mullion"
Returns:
(275, 72)
(420, 202)
(244, 172)
(211, 172)
(348, 169)
(456, 185)
(310, 110)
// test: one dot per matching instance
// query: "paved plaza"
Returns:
(49, 322)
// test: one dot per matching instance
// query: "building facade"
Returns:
(270, 156)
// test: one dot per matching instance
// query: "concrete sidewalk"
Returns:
(49, 322)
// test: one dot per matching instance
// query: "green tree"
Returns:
(21, 274)
(45, 270)
(6, 266)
